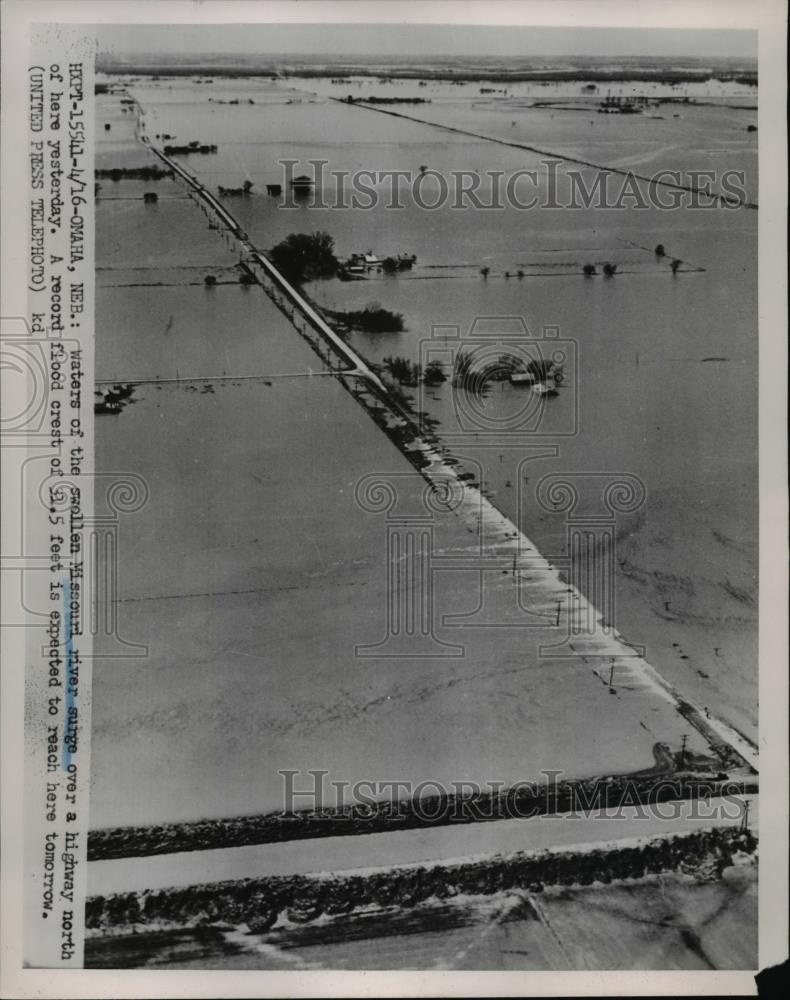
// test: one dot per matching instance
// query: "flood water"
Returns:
(661, 385)
(664, 376)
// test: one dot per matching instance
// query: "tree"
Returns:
(304, 256)
(609, 269)
(659, 251)
(469, 376)
(372, 319)
(675, 265)
(485, 270)
(402, 370)
(589, 270)
(434, 373)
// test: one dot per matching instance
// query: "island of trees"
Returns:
(305, 256)
(371, 319)
(191, 147)
(152, 173)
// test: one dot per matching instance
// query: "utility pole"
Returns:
(683, 741)
(745, 816)
(611, 677)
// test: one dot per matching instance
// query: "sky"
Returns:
(419, 40)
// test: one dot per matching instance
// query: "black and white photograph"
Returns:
(404, 476)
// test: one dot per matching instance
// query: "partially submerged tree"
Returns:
(304, 256)
(468, 374)
(371, 319)
(402, 370)
(501, 369)
(434, 373)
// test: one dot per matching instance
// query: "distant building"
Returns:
(302, 184)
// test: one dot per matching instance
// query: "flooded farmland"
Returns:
(665, 381)
(396, 491)
(265, 585)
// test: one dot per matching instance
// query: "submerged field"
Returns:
(665, 382)
(257, 569)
